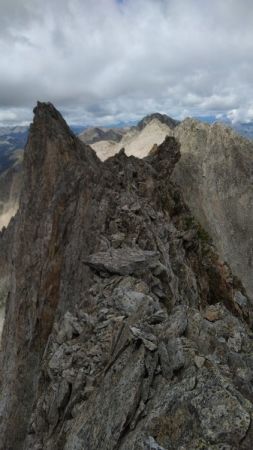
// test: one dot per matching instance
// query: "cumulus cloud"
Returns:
(116, 60)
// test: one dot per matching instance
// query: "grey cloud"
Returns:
(112, 60)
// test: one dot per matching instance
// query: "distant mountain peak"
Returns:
(163, 118)
(96, 134)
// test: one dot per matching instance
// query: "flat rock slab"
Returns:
(123, 261)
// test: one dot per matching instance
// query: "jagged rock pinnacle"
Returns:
(51, 149)
(46, 113)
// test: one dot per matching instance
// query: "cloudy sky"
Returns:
(104, 61)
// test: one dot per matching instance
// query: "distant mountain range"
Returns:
(92, 135)
(245, 129)
(14, 138)
(11, 140)
(137, 139)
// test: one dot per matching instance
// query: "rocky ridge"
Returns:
(137, 141)
(92, 135)
(130, 333)
(215, 176)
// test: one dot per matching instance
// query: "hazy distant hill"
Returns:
(12, 142)
(245, 129)
(92, 135)
(11, 139)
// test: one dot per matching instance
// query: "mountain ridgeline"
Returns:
(124, 329)
(215, 174)
(138, 140)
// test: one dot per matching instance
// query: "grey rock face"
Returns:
(130, 333)
(215, 175)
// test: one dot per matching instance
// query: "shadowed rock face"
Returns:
(124, 330)
(216, 177)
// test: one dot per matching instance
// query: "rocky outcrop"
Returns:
(130, 333)
(215, 176)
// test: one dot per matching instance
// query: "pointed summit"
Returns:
(51, 149)
(163, 118)
(46, 115)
